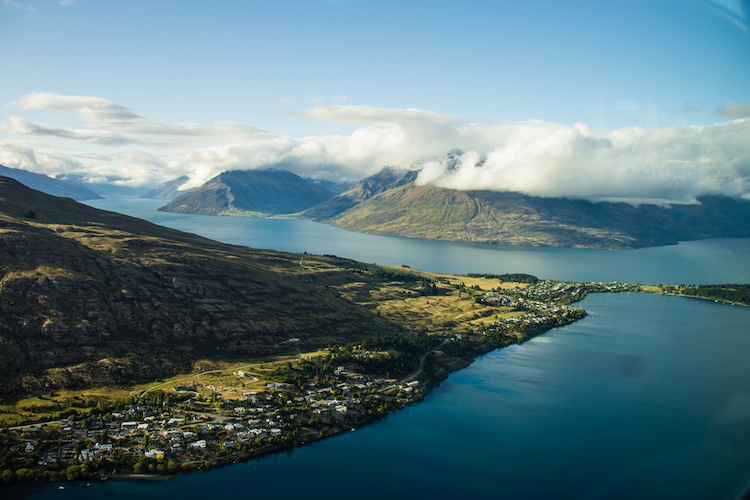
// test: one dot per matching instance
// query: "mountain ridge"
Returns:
(267, 191)
(403, 208)
(49, 185)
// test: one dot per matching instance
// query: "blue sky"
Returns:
(339, 88)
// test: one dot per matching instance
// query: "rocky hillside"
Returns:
(251, 191)
(92, 297)
(514, 219)
(386, 179)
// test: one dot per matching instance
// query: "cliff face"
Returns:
(91, 297)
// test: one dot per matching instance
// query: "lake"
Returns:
(647, 397)
(707, 261)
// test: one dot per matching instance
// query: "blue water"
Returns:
(647, 397)
(708, 261)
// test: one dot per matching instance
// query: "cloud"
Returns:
(18, 155)
(674, 164)
(17, 5)
(19, 126)
(732, 110)
(103, 113)
(533, 157)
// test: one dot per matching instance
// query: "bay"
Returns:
(647, 397)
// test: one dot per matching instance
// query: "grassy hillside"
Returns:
(92, 297)
(514, 219)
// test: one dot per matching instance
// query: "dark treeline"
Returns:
(730, 292)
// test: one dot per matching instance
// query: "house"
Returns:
(199, 445)
(154, 453)
(86, 456)
(103, 448)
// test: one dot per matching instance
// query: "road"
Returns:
(419, 370)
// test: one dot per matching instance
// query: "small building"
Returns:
(199, 445)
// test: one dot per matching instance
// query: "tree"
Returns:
(25, 474)
(7, 476)
(73, 472)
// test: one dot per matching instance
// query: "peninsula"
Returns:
(226, 411)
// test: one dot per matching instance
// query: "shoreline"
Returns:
(438, 366)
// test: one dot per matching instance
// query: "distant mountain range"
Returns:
(49, 185)
(390, 202)
(168, 190)
(248, 192)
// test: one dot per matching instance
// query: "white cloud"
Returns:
(733, 110)
(534, 157)
(17, 5)
(15, 154)
(103, 113)
(675, 164)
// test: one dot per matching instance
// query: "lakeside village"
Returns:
(193, 427)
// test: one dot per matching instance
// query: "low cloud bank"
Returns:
(667, 165)
(674, 164)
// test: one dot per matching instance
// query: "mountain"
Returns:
(255, 191)
(167, 190)
(387, 178)
(506, 218)
(332, 186)
(106, 186)
(49, 185)
(89, 297)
